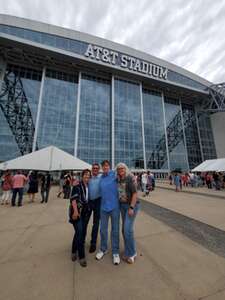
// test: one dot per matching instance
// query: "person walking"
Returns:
(78, 214)
(171, 179)
(94, 204)
(18, 183)
(67, 186)
(177, 182)
(149, 186)
(61, 181)
(33, 186)
(144, 182)
(6, 187)
(129, 207)
(45, 187)
(216, 180)
(109, 210)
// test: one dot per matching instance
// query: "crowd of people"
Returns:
(109, 195)
(16, 184)
(211, 180)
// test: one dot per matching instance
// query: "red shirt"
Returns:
(18, 181)
(7, 183)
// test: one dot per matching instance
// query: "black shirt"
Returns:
(79, 195)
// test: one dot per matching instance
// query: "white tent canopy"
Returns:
(47, 159)
(210, 165)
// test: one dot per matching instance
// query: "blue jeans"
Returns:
(94, 206)
(45, 194)
(20, 192)
(128, 228)
(78, 244)
(115, 226)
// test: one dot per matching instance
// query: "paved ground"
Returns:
(205, 205)
(35, 260)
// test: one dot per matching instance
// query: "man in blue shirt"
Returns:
(109, 209)
(94, 202)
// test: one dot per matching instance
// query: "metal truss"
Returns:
(216, 100)
(15, 107)
(174, 136)
(214, 103)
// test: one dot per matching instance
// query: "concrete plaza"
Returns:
(35, 260)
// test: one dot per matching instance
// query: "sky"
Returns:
(188, 33)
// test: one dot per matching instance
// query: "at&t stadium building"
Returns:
(98, 100)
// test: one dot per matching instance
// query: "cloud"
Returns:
(187, 33)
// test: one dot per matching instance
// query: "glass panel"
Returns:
(94, 123)
(18, 110)
(58, 111)
(191, 134)
(8, 146)
(155, 140)
(206, 134)
(175, 136)
(46, 39)
(128, 128)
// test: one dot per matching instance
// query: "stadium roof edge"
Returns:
(85, 37)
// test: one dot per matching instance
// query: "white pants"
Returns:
(6, 196)
(144, 186)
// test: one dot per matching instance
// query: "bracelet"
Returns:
(131, 207)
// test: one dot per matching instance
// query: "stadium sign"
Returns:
(125, 61)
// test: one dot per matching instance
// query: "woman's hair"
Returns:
(84, 172)
(122, 165)
(105, 162)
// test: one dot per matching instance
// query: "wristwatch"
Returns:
(131, 207)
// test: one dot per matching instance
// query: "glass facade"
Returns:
(18, 109)
(58, 111)
(175, 135)
(191, 134)
(154, 130)
(206, 135)
(94, 142)
(128, 124)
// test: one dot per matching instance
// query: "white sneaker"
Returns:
(99, 255)
(131, 259)
(116, 259)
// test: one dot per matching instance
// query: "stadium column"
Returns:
(39, 109)
(164, 121)
(112, 122)
(77, 116)
(185, 141)
(142, 126)
(199, 135)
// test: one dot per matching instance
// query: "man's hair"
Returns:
(95, 164)
(84, 172)
(105, 162)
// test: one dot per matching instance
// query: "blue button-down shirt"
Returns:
(94, 187)
(109, 192)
